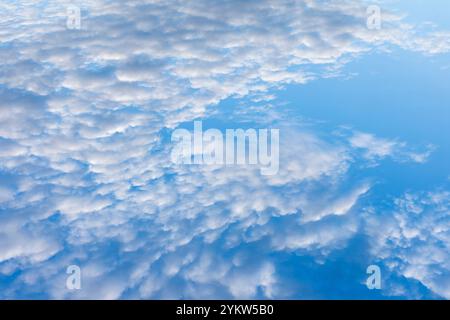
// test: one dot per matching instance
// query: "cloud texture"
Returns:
(85, 171)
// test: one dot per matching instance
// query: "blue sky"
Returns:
(86, 117)
(401, 95)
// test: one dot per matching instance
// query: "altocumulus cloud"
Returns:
(86, 176)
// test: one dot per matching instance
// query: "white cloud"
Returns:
(83, 114)
(413, 238)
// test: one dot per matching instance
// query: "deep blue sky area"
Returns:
(401, 95)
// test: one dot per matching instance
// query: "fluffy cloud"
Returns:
(413, 238)
(375, 148)
(84, 116)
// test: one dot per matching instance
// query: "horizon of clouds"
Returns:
(85, 163)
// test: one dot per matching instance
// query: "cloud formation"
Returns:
(85, 167)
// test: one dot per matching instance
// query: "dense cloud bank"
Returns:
(85, 170)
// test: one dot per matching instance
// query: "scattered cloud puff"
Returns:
(413, 238)
(85, 167)
(376, 148)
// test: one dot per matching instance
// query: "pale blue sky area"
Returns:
(421, 11)
(399, 95)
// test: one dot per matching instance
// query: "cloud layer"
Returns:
(85, 167)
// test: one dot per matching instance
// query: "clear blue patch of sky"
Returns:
(420, 11)
(399, 95)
